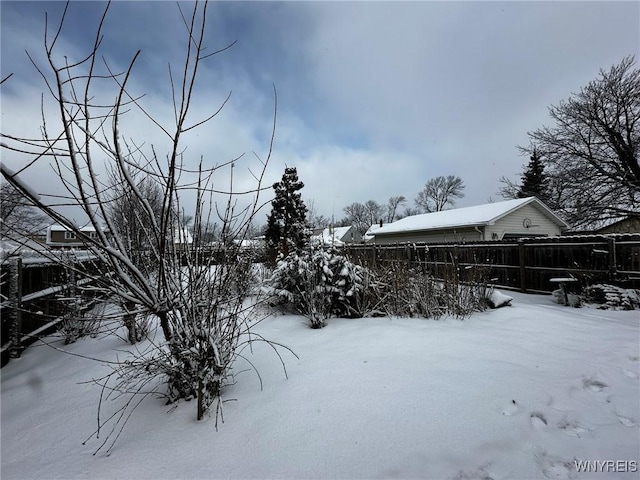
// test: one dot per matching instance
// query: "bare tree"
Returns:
(314, 218)
(407, 212)
(393, 205)
(356, 214)
(591, 151)
(199, 304)
(439, 192)
(128, 215)
(375, 212)
(509, 189)
(18, 216)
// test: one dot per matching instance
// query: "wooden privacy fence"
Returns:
(36, 294)
(525, 264)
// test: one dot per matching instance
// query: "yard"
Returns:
(526, 391)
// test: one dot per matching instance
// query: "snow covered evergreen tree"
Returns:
(286, 224)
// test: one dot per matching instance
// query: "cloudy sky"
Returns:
(374, 98)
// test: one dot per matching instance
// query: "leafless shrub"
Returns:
(200, 300)
(414, 290)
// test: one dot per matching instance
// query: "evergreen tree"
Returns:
(286, 223)
(534, 179)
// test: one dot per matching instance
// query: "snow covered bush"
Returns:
(610, 296)
(319, 283)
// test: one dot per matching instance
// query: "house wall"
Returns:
(436, 236)
(628, 225)
(351, 236)
(513, 223)
(57, 237)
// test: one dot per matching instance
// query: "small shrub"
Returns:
(319, 283)
(415, 291)
(610, 296)
(76, 321)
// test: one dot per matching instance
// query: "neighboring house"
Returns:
(337, 235)
(59, 236)
(522, 217)
(253, 243)
(368, 236)
(631, 224)
(182, 236)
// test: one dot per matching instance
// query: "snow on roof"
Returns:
(461, 217)
(60, 228)
(182, 236)
(336, 232)
(333, 235)
(369, 234)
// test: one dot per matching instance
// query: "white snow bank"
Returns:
(498, 299)
(515, 393)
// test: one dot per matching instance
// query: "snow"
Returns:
(369, 234)
(516, 393)
(61, 228)
(461, 217)
(498, 299)
(23, 247)
(333, 235)
(182, 236)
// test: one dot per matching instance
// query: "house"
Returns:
(337, 235)
(368, 236)
(630, 224)
(182, 236)
(60, 236)
(522, 217)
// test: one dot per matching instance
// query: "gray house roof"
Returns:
(475, 216)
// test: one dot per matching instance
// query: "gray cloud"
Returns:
(374, 98)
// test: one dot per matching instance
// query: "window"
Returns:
(69, 235)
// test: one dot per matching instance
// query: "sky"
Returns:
(373, 98)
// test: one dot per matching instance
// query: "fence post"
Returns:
(15, 309)
(613, 263)
(523, 269)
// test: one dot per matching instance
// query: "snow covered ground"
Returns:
(522, 392)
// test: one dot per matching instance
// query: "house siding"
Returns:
(628, 225)
(59, 237)
(437, 236)
(513, 224)
(524, 218)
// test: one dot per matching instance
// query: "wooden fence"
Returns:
(34, 289)
(33, 292)
(526, 264)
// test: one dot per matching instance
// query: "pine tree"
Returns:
(534, 179)
(286, 223)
